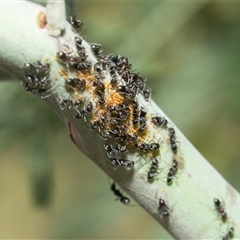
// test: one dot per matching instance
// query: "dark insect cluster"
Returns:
(36, 77)
(110, 98)
(112, 107)
(105, 96)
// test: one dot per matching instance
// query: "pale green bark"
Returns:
(190, 197)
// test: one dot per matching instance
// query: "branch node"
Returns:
(56, 17)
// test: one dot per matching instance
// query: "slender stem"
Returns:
(192, 213)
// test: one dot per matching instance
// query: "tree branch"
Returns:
(195, 183)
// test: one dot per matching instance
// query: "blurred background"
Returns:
(189, 52)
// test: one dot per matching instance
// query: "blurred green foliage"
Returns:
(190, 54)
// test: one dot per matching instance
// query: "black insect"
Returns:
(119, 195)
(69, 59)
(121, 162)
(107, 147)
(62, 55)
(78, 40)
(85, 111)
(89, 106)
(75, 83)
(163, 208)
(69, 104)
(171, 131)
(101, 100)
(82, 55)
(78, 43)
(154, 146)
(121, 89)
(76, 23)
(36, 68)
(99, 123)
(120, 138)
(81, 114)
(153, 170)
(142, 146)
(229, 235)
(140, 83)
(136, 118)
(106, 134)
(142, 112)
(96, 48)
(99, 87)
(41, 68)
(83, 66)
(114, 121)
(121, 149)
(28, 67)
(131, 93)
(159, 121)
(132, 138)
(146, 94)
(172, 171)
(220, 209)
(123, 115)
(36, 77)
(134, 105)
(172, 139)
(142, 124)
(114, 80)
(111, 152)
(95, 125)
(98, 67)
(36, 84)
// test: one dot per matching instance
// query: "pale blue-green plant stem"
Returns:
(190, 197)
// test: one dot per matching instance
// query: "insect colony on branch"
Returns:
(113, 110)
